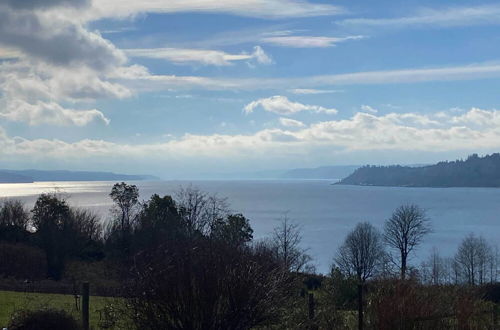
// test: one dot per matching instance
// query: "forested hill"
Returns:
(27, 176)
(7, 177)
(324, 172)
(475, 171)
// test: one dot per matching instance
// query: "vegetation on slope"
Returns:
(475, 171)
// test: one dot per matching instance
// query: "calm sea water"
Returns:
(326, 212)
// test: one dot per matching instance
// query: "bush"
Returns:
(205, 285)
(46, 319)
(22, 261)
(410, 305)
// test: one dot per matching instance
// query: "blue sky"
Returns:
(177, 88)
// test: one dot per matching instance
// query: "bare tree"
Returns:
(286, 242)
(494, 264)
(200, 210)
(474, 258)
(361, 255)
(404, 231)
(434, 270)
(362, 252)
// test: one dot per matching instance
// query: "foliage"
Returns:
(52, 222)
(22, 261)
(475, 171)
(409, 305)
(11, 301)
(63, 232)
(44, 319)
(158, 220)
(205, 284)
(14, 221)
(125, 197)
(234, 230)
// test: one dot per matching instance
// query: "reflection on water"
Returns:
(37, 188)
(325, 211)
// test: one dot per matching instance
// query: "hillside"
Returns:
(324, 172)
(6, 177)
(475, 171)
(26, 176)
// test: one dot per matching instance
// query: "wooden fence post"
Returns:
(85, 305)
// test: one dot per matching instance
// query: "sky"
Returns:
(176, 88)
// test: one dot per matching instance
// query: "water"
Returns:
(326, 212)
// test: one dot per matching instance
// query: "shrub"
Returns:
(205, 285)
(409, 305)
(22, 261)
(45, 319)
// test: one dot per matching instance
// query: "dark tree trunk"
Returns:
(403, 267)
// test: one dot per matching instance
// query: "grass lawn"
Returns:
(11, 301)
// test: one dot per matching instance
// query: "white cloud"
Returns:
(476, 117)
(474, 130)
(53, 39)
(368, 108)
(9, 53)
(200, 56)
(54, 59)
(428, 17)
(283, 106)
(474, 71)
(307, 41)
(31, 93)
(287, 122)
(50, 113)
(261, 56)
(313, 91)
(271, 9)
(143, 80)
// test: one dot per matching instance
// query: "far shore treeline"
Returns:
(187, 262)
(475, 171)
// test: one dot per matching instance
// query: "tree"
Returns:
(126, 197)
(87, 230)
(473, 258)
(52, 222)
(14, 221)
(435, 269)
(360, 256)
(235, 230)
(200, 210)
(286, 241)
(157, 222)
(404, 231)
(201, 283)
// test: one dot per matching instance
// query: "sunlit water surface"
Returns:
(326, 212)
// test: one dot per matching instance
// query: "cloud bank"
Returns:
(200, 56)
(283, 106)
(476, 129)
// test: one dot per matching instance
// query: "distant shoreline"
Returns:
(31, 176)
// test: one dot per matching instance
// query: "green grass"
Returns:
(11, 301)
